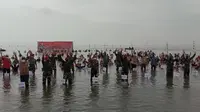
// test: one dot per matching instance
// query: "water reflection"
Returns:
(134, 78)
(94, 98)
(25, 103)
(33, 84)
(118, 78)
(47, 94)
(6, 83)
(24, 95)
(169, 82)
(142, 78)
(186, 83)
(68, 94)
(94, 91)
(124, 99)
(152, 78)
(105, 80)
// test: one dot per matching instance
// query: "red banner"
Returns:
(52, 46)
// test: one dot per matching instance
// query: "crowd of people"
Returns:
(125, 62)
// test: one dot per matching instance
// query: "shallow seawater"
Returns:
(143, 93)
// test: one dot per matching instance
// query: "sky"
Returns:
(121, 22)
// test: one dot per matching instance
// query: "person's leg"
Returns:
(26, 77)
(73, 69)
(21, 78)
(44, 78)
(8, 71)
(142, 67)
(33, 71)
(92, 75)
(106, 68)
(49, 78)
(4, 71)
(70, 78)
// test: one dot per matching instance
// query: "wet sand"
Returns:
(145, 92)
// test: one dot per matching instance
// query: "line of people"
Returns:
(128, 62)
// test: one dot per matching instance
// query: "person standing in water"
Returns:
(15, 64)
(186, 63)
(105, 61)
(125, 66)
(32, 63)
(24, 72)
(170, 69)
(53, 63)
(47, 70)
(118, 60)
(94, 68)
(154, 62)
(6, 65)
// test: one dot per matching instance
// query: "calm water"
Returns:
(144, 93)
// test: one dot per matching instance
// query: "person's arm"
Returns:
(35, 64)
(16, 57)
(193, 56)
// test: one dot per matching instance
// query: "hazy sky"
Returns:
(101, 21)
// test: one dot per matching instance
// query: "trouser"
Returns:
(94, 72)
(153, 67)
(169, 80)
(15, 68)
(6, 70)
(117, 66)
(186, 73)
(73, 69)
(25, 79)
(67, 76)
(132, 66)
(106, 66)
(32, 69)
(46, 77)
(125, 72)
(54, 70)
(143, 67)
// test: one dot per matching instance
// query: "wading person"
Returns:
(53, 63)
(6, 65)
(134, 62)
(118, 60)
(144, 62)
(67, 75)
(186, 67)
(170, 69)
(15, 64)
(32, 63)
(94, 68)
(105, 61)
(24, 72)
(154, 62)
(125, 67)
(47, 71)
